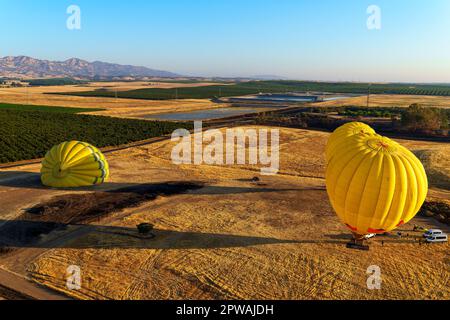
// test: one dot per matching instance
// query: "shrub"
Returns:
(145, 228)
(418, 118)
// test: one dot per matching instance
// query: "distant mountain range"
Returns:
(26, 67)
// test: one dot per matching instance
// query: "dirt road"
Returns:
(15, 287)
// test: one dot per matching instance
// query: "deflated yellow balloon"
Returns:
(74, 164)
(342, 133)
(375, 184)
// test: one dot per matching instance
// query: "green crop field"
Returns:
(189, 81)
(28, 135)
(21, 107)
(55, 82)
(254, 87)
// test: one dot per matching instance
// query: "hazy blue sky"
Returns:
(302, 39)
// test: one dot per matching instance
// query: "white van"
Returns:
(432, 233)
(437, 239)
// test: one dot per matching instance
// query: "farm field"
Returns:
(135, 85)
(28, 135)
(140, 108)
(389, 100)
(119, 84)
(113, 86)
(232, 239)
(54, 82)
(21, 107)
(122, 108)
(254, 87)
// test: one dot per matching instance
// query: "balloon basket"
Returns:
(358, 243)
(356, 246)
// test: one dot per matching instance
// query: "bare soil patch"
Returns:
(61, 211)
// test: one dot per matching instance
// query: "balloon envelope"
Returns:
(342, 133)
(74, 164)
(375, 184)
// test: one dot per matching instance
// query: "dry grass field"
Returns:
(384, 100)
(126, 86)
(233, 239)
(136, 108)
(125, 108)
(110, 86)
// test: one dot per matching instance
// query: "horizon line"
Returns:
(245, 77)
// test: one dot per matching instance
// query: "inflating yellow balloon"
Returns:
(342, 133)
(74, 164)
(375, 184)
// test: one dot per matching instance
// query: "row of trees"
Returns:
(13, 84)
(27, 135)
(426, 92)
(417, 118)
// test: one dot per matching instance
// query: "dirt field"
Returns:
(125, 108)
(384, 100)
(232, 239)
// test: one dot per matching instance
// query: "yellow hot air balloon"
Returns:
(74, 164)
(375, 184)
(342, 133)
